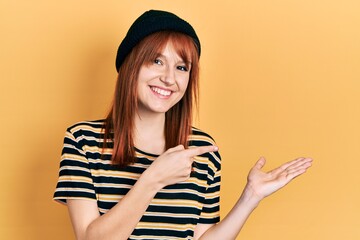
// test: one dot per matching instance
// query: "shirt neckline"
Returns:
(146, 153)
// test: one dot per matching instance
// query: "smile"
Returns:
(160, 91)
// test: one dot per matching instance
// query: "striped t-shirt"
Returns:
(174, 211)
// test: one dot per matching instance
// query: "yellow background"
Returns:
(279, 79)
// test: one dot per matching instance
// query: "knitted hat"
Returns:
(150, 22)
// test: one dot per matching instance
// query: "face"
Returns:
(163, 82)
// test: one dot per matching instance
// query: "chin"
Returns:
(161, 110)
(154, 110)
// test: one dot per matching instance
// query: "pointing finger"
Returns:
(196, 151)
(177, 148)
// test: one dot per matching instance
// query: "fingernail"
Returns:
(216, 148)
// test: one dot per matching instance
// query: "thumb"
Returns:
(260, 163)
(177, 148)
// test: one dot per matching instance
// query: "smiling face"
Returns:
(162, 82)
(142, 89)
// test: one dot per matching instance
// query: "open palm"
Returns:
(263, 184)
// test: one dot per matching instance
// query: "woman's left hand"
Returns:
(261, 184)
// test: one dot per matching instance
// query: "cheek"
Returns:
(183, 83)
(146, 73)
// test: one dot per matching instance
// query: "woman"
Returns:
(144, 172)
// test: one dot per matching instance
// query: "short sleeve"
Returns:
(75, 180)
(210, 213)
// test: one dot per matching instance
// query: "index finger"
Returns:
(195, 151)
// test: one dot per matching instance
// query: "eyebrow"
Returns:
(189, 63)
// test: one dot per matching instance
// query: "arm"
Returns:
(118, 223)
(259, 186)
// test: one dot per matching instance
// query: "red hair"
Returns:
(119, 124)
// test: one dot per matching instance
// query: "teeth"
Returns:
(161, 91)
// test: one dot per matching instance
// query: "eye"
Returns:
(158, 61)
(182, 68)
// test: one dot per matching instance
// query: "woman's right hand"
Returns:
(171, 167)
(175, 164)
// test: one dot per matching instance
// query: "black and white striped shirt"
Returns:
(174, 211)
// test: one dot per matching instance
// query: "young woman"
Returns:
(144, 172)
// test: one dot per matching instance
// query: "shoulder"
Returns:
(85, 133)
(200, 138)
(87, 127)
(83, 137)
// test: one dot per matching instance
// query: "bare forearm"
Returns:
(232, 224)
(120, 221)
(259, 186)
(171, 167)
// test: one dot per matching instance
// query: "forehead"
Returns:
(169, 51)
(172, 43)
(176, 50)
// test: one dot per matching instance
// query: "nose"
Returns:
(168, 76)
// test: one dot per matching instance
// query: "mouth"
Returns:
(161, 92)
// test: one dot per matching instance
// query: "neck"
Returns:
(149, 135)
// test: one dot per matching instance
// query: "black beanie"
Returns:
(150, 22)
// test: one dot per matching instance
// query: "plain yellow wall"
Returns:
(279, 79)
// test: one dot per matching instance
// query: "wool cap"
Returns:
(150, 22)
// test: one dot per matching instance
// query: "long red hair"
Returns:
(119, 123)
